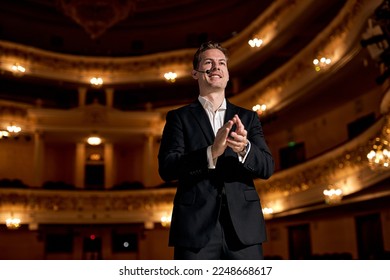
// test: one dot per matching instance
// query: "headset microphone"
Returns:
(206, 72)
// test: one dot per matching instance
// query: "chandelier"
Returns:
(96, 16)
(379, 155)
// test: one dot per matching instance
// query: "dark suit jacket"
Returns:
(183, 157)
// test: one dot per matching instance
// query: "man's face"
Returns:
(215, 61)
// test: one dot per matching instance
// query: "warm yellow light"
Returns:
(14, 129)
(267, 211)
(12, 223)
(96, 81)
(259, 108)
(95, 157)
(4, 133)
(321, 63)
(170, 76)
(94, 140)
(255, 42)
(379, 156)
(18, 70)
(333, 195)
(166, 220)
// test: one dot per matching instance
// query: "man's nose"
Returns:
(214, 66)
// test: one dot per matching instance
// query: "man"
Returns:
(215, 149)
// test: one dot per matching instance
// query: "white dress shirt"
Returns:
(217, 121)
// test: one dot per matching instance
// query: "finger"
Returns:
(225, 129)
(235, 146)
(237, 137)
(229, 124)
(240, 127)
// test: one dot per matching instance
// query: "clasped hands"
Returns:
(236, 140)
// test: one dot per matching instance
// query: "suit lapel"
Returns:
(201, 118)
(231, 110)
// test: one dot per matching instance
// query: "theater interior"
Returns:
(316, 72)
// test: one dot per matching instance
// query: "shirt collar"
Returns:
(207, 105)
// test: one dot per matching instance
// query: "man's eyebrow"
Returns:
(220, 59)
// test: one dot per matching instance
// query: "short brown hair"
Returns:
(207, 46)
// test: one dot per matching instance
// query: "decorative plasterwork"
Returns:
(44, 206)
(81, 69)
(96, 16)
(81, 119)
(277, 90)
(346, 167)
(338, 42)
(146, 68)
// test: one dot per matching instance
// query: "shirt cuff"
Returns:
(211, 163)
(241, 156)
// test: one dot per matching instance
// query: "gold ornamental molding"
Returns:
(81, 69)
(346, 167)
(147, 68)
(272, 23)
(80, 206)
(338, 42)
(81, 119)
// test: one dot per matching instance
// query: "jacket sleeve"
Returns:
(176, 160)
(259, 160)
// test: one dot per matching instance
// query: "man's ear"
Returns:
(194, 74)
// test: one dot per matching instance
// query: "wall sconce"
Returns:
(12, 223)
(267, 212)
(18, 70)
(96, 82)
(255, 43)
(321, 63)
(333, 195)
(14, 129)
(170, 76)
(4, 133)
(166, 220)
(260, 109)
(94, 140)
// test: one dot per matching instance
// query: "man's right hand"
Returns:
(220, 143)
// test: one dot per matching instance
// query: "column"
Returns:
(108, 165)
(38, 159)
(82, 96)
(109, 97)
(80, 165)
(148, 161)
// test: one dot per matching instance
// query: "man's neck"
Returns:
(216, 98)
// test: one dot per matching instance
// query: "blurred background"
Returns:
(85, 86)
